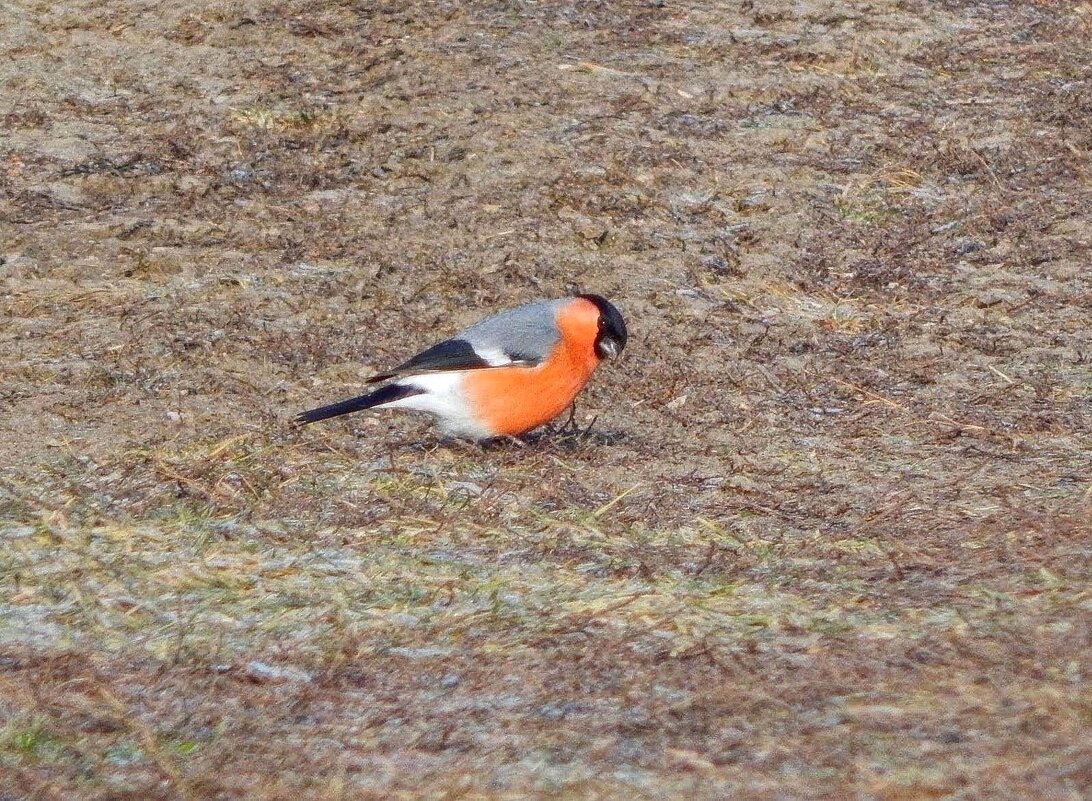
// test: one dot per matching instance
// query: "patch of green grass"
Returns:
(866, 211)
(31, 740)
(555, 42)
(289, 120)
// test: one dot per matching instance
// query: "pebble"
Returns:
(263, 671)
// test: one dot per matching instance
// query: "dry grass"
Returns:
(828, 537)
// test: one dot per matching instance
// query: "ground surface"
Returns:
(828, 536)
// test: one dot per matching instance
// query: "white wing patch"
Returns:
(495, 357)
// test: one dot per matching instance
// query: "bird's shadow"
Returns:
(567, 436)
(537, 440)
(570, 439)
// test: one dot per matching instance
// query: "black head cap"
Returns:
(612, 334)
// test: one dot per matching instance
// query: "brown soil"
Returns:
(827, 537)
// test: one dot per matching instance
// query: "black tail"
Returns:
(391, 392)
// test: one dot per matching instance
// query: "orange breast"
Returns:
(512, 400)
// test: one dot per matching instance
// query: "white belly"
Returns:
(443, 397)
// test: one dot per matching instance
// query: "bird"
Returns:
(503, 376)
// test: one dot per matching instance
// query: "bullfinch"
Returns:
(502, 376)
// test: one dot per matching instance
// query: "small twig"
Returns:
(967, 426)
(989, 169)
(602, 510)
(223, 445)
(159, 467)
(616, 606)
(870, 394)
(993, 369)
(710, 552)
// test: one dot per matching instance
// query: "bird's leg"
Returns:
(570, 426)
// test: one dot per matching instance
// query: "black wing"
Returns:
(452, 354)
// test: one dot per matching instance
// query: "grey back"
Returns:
(525, 333)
